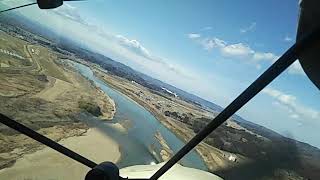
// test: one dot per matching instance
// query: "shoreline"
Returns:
(213, 158)
(50, 106)
(104, 99)
(107, 114)
(92, 144)
(201, 149)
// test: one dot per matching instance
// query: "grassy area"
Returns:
(18, 47)
(48, 66)
(14, 62)
(12, 44)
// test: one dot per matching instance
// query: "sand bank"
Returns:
(47, 164)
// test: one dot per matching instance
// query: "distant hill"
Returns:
(61, 42)
(231, 139)
(67, 46)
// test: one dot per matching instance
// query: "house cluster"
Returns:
(35, 51)
(169, 92)
(230, 157)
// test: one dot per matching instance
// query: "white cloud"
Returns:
(124, 48)
(287, 99)
(287, 38)
(258, 66)
(249, 28)
(135, 51)
(242, 51)
(237, 50)
(206, 28)
(145, 61)
(132, 52)
(272, 92)
(296, 69)
(294, 116)
(299, 124)
(211, 43)
(193, 35)
(258, 56)
(69, 12)
(291, 105)
(134, 45)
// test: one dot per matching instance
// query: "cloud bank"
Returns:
(237, 51)
(291, 104)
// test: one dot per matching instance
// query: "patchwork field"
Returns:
(44, 93)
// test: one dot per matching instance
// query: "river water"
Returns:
(135, 144)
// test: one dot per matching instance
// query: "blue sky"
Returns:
(213, 49)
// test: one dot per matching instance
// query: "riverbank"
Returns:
(184, 121)
(213, 158)
(47, 101)
(141, 137)
(50, 164)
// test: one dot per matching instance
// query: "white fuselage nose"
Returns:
(176, 172)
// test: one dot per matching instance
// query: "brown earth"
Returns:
(46, 97)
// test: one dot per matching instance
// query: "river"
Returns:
(134, 144)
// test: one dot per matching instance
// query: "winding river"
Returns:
(135, 144)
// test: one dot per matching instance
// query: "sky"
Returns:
(213, 49)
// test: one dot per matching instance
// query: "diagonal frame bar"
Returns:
(50, 143)
(18, 7)
(46, 141)
(289, 57)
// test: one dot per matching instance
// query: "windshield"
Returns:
(132, 82)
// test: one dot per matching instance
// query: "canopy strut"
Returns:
(268, 76)
(46, 141)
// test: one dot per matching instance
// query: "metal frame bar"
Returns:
(10, 9)
(46, 141)
(50, 143)
(261, 82)
(289, 57)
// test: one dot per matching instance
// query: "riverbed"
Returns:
(135, 144)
